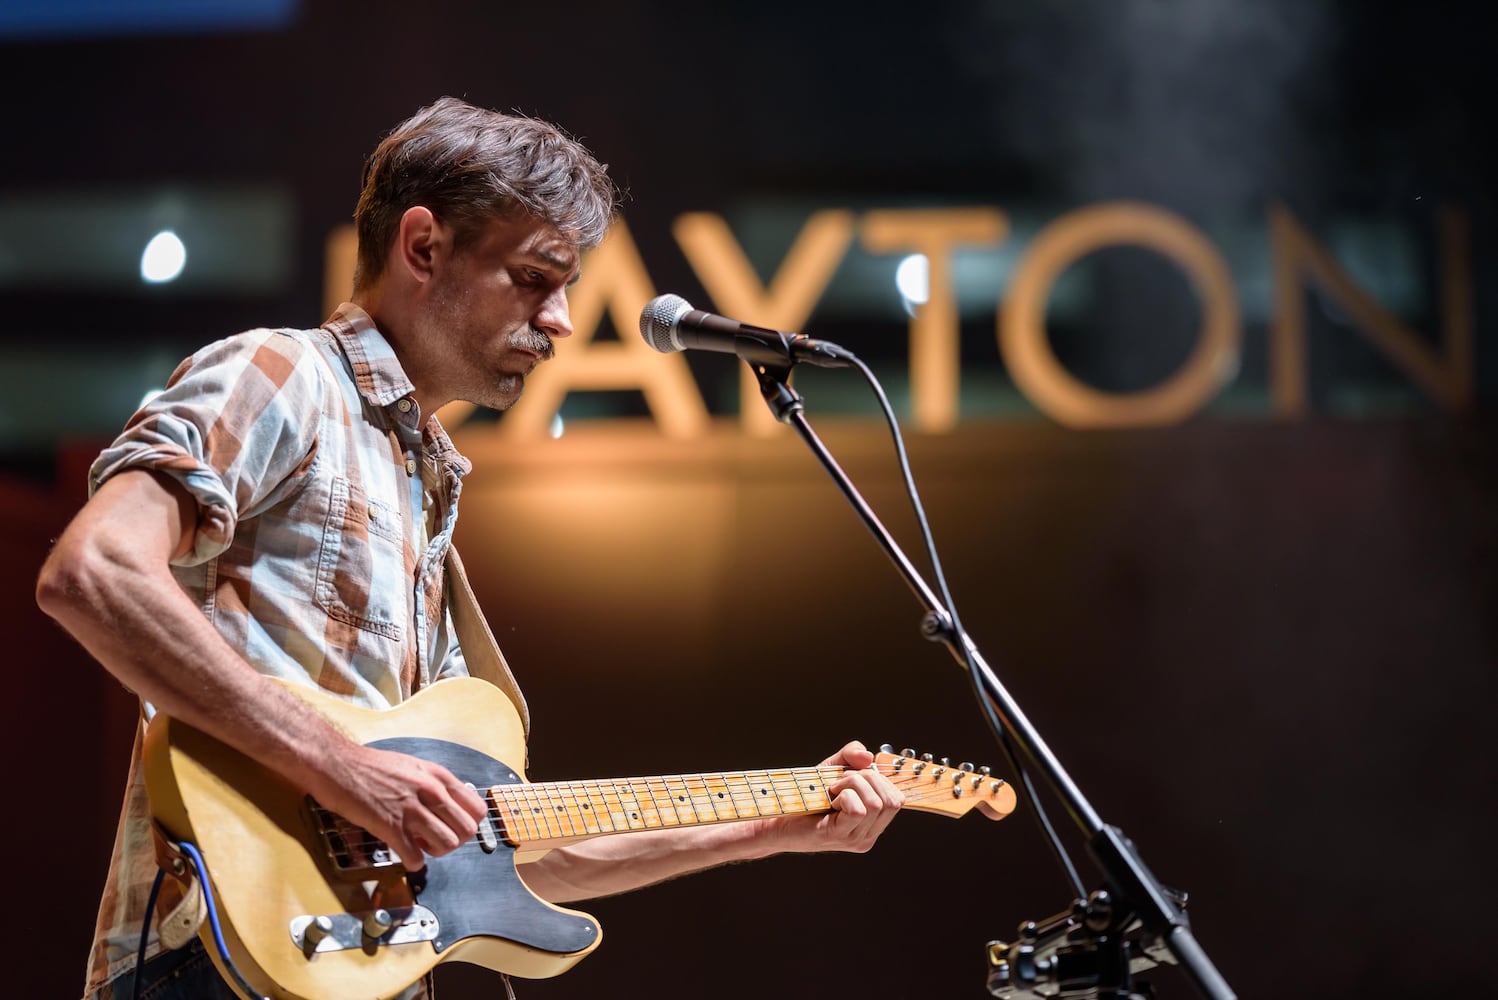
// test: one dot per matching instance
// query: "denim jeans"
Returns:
(188, 974)
(184, 974)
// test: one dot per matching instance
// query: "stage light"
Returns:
(163, 259)
(913, 280)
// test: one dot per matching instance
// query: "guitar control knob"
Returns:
(315, 931)
(378, 923)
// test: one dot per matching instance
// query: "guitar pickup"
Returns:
(344, 931)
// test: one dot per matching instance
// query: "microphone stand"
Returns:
(1093, 956)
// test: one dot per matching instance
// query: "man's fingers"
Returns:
(452, 811)
(854, 755)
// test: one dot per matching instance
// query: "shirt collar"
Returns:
(377, 371)
(381, 379)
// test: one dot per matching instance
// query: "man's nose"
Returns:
(553, 318)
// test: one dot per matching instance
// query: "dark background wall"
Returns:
(1263, 646)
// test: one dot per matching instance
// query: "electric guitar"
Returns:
(313, 908)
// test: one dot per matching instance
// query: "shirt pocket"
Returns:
(361, 562)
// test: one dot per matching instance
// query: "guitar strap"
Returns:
(485, 661)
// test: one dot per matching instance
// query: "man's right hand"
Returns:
(415, 806)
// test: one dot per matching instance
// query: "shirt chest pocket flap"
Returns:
(361, 566)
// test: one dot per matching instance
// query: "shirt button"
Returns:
(410, 466)
(404, 405)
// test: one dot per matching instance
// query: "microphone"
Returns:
(669, 324)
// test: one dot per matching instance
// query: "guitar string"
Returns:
(537, 827)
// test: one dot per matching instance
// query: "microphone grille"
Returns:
(658, 322)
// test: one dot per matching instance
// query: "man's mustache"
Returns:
(535, 340)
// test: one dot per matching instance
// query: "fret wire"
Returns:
(769, 786)
(749, 786)
(602, 802)
(651, 784)
(717, 791)
(564, 821)
(664, 786)
(585, 808)
(520, 807)
(564, 793)
(721, 797)
(796, 785)
(539, 810)
(707, 794)
(612, 806)
(632, 807)
(684, 794)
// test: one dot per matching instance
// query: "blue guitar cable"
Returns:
(218, 934)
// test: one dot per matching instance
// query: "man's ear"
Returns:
(422, 243)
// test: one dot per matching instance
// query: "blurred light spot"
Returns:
(163, 258)
(913, 280)
(556, 426)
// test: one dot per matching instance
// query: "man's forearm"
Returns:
(604, 866)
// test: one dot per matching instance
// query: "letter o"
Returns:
(1041, 377)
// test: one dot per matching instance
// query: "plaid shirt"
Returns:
(316, 486)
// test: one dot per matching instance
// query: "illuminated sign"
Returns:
(617, 283)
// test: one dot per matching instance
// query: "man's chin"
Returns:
(505, 393)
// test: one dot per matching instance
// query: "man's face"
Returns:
(495, 309)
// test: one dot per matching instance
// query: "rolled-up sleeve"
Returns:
(236, 426)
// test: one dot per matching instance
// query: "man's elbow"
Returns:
(68, 577)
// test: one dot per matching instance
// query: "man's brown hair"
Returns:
(469, 165)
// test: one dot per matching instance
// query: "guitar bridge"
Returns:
(349, 847)
(344, 931)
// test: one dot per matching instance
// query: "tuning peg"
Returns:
(886, 748)
(907, 752)
(928, 758)
(966, 765)
(946, 762)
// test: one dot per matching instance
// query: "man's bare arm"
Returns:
(864, 803)
(108, 582)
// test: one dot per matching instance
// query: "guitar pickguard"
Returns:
(476, 892)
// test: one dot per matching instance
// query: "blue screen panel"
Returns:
(94, 18)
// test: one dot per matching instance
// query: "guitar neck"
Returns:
(533, 815)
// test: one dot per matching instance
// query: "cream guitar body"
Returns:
(311, 908)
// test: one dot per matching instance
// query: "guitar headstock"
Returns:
(937, 785)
